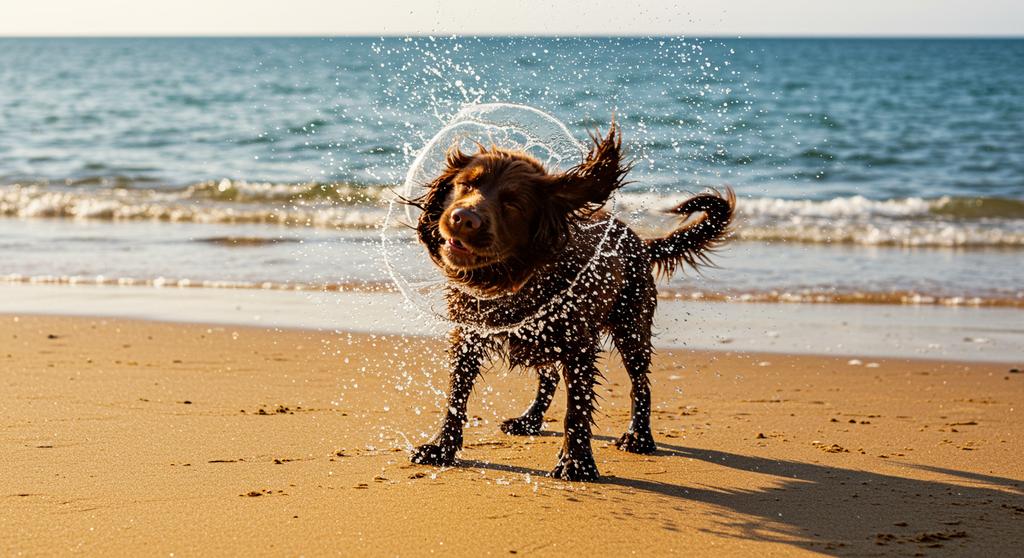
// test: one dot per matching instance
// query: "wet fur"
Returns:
(554, 329)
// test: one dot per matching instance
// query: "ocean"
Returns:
(887, 171)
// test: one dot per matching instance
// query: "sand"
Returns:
(133, 437)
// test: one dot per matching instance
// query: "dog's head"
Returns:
(491, 218)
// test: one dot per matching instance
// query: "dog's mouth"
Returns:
(461, 256)
(456, 246)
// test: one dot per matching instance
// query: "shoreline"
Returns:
(144, 437)
(857, 331)
(665, 292)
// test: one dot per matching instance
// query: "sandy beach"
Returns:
(129, 437)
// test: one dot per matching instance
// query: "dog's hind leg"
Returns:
(633, 340)
(467, 354)
(531, 421)
(576, 459)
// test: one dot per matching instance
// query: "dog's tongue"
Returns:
(457, 245)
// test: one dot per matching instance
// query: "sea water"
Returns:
(887, 171)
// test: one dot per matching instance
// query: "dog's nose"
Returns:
(463, 217)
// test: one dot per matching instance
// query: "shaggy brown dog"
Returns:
(538, 274)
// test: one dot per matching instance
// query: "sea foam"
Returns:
(857, 220)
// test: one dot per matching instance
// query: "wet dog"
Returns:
(537, 273)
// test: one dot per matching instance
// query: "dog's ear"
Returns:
(437, 191)
(432, 202)
(587, 186)
(456, 160)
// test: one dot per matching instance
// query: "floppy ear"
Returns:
(587, 186)
(432, 202)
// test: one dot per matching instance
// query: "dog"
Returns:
(538, 273)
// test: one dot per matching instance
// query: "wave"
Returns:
(244, 241)
(909, 222)
(804, 296)
(224, 201)
(857, 206)
(184, 283)
(269, 192)
(811, 296)
(960, 222)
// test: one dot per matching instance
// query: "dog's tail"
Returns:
(693, 242)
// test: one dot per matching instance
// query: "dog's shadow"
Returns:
(841, 511)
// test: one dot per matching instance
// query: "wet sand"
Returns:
(863, 330)
(132, 437)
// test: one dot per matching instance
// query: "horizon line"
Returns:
(514, 35)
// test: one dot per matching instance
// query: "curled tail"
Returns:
(692, 243)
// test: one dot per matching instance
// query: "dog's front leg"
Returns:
(576, 459)
(466, 354)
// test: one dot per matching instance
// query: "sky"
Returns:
(729, 18)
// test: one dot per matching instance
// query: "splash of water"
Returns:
(505, 125)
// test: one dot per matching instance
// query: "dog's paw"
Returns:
(637, 442)
(526, 425)
(581, 468)
(433, 454)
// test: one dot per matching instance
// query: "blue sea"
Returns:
(870, 170)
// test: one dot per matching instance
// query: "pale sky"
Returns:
(488, 17)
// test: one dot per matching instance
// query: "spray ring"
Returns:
(510, 126)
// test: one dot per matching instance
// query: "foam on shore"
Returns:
(799, 296)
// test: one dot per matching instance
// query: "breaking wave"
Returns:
(224, 201)
(910, 222)
(961, 222)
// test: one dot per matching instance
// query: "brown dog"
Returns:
(538, 275)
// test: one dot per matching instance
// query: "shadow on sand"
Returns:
(842, 511)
